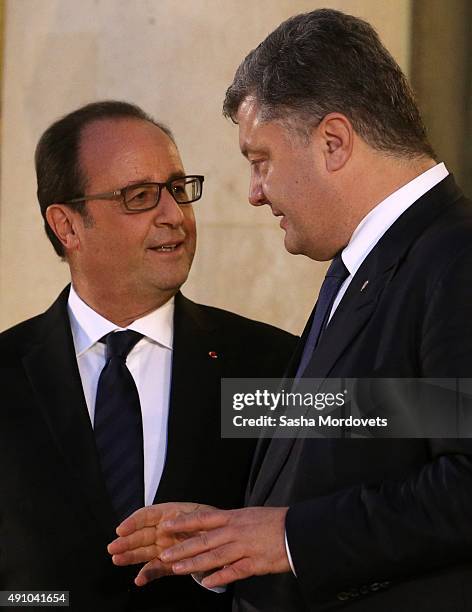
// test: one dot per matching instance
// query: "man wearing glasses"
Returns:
(113, 393)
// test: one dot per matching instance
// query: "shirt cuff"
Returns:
(287, 550)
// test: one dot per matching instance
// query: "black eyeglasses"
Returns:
(137, 198)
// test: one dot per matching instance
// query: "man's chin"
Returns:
(168, 276)
(292, 246)
(169, 286)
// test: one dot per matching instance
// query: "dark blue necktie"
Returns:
(118, 426)
(335, 277)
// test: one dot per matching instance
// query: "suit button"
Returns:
(343, 596)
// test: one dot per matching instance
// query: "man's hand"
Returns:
(142, 540)
(235, 543)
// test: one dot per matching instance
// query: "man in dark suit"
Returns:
(338, 151)
(117, 207)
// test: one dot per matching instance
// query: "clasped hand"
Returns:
(188, 538)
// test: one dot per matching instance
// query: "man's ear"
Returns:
(62, 221)
(337, 135)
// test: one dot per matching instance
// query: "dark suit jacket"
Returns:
(55, 517)
(383, 524)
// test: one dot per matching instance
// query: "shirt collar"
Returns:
(88, 326)
(374, 225)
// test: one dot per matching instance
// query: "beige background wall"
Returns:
(175, 58)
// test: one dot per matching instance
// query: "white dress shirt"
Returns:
(371, 229)
(150, 364)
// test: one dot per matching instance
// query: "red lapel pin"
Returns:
(213, 354)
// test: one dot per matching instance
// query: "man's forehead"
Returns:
(249, 121)
(127, 149)
(249, 108)
(257, 133)
(120, 138)
(115, 130)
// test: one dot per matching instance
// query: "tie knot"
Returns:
(337, 269)
(119, 344)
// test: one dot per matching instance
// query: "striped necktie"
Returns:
(118, 426)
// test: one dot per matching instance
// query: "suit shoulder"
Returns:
(449, 238)
(245, 328)
(23, 335)
(253, 349)
(14, 340)
(455, 223)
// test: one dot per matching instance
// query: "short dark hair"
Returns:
(58, 170)
(326, 61)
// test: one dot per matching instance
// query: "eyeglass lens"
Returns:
(183, 190)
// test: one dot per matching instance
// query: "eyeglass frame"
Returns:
(111, 195)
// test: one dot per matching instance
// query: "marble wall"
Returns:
(175, 59)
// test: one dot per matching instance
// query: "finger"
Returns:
(139, 555)
(200, 543)
(200, 520)
(142, 537)
(150, 516)
(152, 571)
(226, 575)
(210, 560)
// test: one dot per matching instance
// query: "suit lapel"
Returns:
(264, 442)
(354, 311)
(195, 377)
(51, 368)
(351, 316)
(297, 355)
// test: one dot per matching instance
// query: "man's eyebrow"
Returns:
(148, 179)
(176, 175)
(247, 150)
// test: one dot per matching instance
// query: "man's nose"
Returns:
(168, 212)
(256, 195)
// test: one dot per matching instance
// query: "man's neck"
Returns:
(378, 178)
(120, 307)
